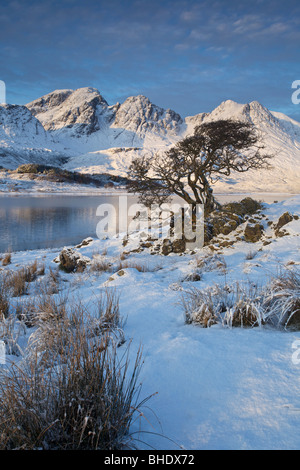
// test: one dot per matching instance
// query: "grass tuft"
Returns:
(75, 387)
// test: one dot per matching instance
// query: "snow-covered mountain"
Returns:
(102, 138)
(23, 138)
(73, 113)
(281, 137)
(96, 137)
(85, 120)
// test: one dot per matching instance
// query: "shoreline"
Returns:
(123, 192)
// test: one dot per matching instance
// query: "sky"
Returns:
(185, 55)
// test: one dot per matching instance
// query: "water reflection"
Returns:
(32, 222)
(46, 222)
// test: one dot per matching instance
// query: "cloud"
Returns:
(187, 53)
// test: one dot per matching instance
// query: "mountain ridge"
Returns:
(81, 127)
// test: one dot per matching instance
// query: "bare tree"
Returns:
(193, 165)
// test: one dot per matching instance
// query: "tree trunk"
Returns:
(210, 202)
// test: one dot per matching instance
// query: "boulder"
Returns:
(71, 260)
(179, 245)
(246, 206)
(166, 248)
(223, 222)
(253, 232)
(283, 220)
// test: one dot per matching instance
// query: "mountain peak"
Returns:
(79, 109)
(84, 111)
(140, 116)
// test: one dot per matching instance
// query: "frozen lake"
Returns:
(30, 222)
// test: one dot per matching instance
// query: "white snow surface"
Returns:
(215, 388)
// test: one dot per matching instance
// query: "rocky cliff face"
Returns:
(81, 111)
(137, 114)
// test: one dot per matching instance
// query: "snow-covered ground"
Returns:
(214, 388)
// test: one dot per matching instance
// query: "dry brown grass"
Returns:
(141, 268)
(74, 389)
(18, 281)
(7, 259)
(100, 265)
(4, 295)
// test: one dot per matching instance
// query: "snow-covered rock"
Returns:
(72, 260)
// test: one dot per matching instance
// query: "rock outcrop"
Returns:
(253, 232)
(71, 260)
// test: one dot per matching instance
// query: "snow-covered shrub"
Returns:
(99, 264)
(127, 264)
(55, 317)
(244, 305)
(49, 284)
(50, 317)
(204, 307)
(247, 309)
(211, 263)
(282, 300)
(108, 310)
(25, 311)
(229, 305)
(195, 276)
